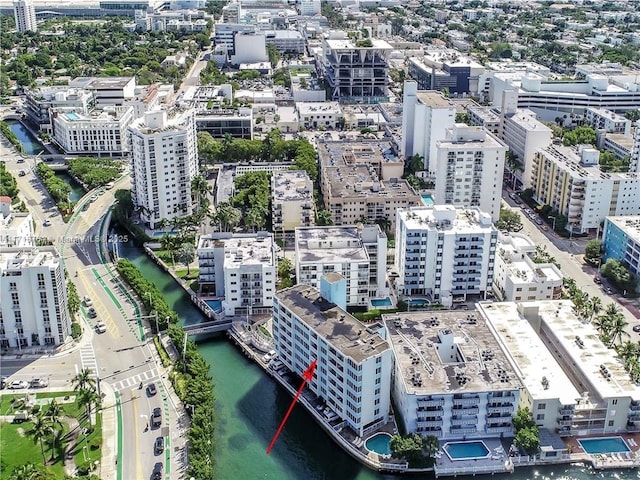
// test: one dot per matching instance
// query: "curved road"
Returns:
(121, 357)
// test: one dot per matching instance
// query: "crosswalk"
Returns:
(134, 380)
(88, 359)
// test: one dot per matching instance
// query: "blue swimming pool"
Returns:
(161, 234)
(604, 445)
(381, 302)
(466, 450)
(417, 302)
(216, 305)
(380, 443)
(427, 199)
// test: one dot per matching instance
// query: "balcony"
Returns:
(429, 423)
(499, 409)
(431, 403)
(499, 429)
(565, 422)
(465, 411)
(463, 430)
(566, 411)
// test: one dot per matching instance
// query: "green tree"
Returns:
(410, 447)
(285, 271)
(523, 419)
(323, 217)
(83, 380)
(40, 431)
(579, 136)
(509, 221)
(88, 398)
(186, 255)
(619, 274)
(29, 471)
(273, 54)
(593, 252)
(633, 115)
(528, 439)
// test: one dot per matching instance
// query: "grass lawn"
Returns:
(17, 448)
(193, 273)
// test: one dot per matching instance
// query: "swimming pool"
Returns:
(427, 199)
(380, 443)
(604, 445)
(418, 302)
(466, 450)
(216, 305)
(381, 302)
(161, 234)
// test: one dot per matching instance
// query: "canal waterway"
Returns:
(249, 407)
(31, 145)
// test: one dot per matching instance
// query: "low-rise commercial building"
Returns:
(238, 269)
(353, 372)
(39, 103)
(33, 298)
(102, 132)
(358, 253)
(16, 228)
(324, 115)
(518, 278)
(610, 122)
(222, 121)
(445, 68)
(451, 378)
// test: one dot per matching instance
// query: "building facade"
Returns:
(33, 295)
(356, 72)
(621, 241)
(611, 122)
(292, 203)
(238, 269)
(445, 69)
(353, 372)
(571, 182)
(39, 103)
(450, 387)
(518, 278)
(444, 253)
(359, 254)
(426, 116)
(469, 169)
(25, 16)
(164, 161)
(16, 228)
(101, 132)
(219, 122)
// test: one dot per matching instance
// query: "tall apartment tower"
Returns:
(444, 252)
(25, 15)
(426, 116)
(470, 168)
(33, 298)
(165, 160)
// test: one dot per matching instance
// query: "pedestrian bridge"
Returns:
(215, 326)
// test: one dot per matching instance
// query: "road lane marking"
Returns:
(100, 307)
(136, 453)
(145, 377)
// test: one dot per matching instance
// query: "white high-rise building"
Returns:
(358, 254)
(426, 116)
(470, 167)
(525, 134)
(25, 15)
(309, 8)
(165, 160)
(354, 362)
(634, 165)
(291, 200)
(444, 252)
(33, 298)
(238, 269)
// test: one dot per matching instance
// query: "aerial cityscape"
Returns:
(319, 239)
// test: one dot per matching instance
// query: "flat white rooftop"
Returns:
(629, 224)
(536, 367)
(434, 217)
(334, 244)
(16, 258)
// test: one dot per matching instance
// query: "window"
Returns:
(540, 416)
(542, 406)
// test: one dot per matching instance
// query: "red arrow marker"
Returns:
(307, 376)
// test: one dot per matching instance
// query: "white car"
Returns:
(17, 385)
(87, 301)
(101, 327)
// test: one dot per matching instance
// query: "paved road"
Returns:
(568, 254)
(122, 356)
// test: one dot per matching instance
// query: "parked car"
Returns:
(46, 223)
(157, 471)
(156, 417)
(3, 382)
(39, 383)
(101, 327)
(21, 416)
(539, 221)
(92, 312)
(636, 328)
(22, 173)
(158, 447)
(87, 301)
(597, 280)
(18, 384)
(151, 389)
(269, 356)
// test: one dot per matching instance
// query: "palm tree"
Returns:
(88, 399)
(617, 329)
(55, 413)
(29, 471)
(596, 306)
(40, 430)
(83, 380)
(200, 188)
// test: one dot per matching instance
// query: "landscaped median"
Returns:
(190, 378)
